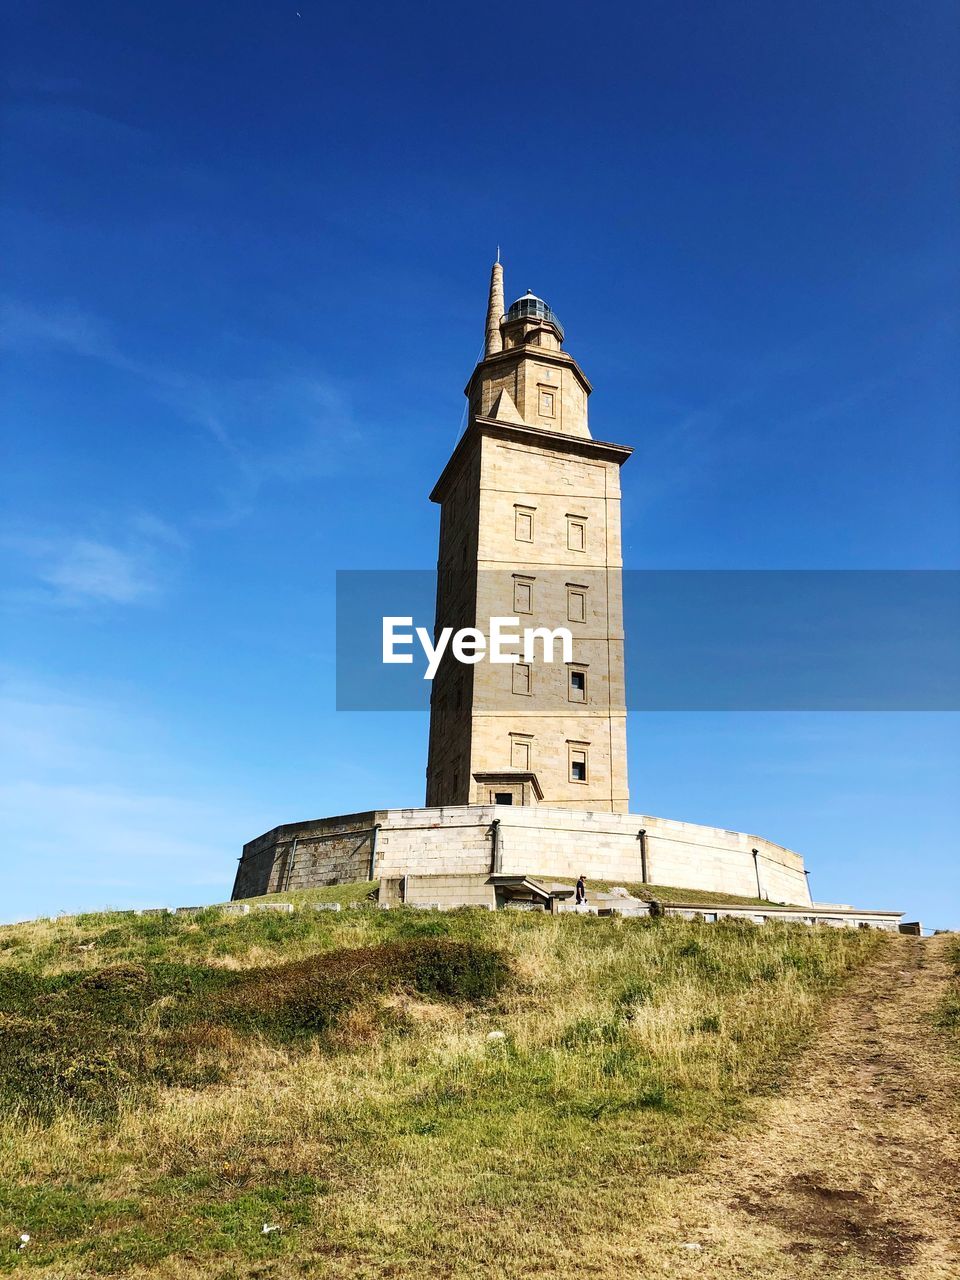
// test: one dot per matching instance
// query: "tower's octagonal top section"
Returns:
(535, 308)
(525, 377)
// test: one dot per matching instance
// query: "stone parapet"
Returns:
(536, 840)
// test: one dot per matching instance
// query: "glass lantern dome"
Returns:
(531, 305)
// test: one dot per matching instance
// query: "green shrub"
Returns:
(636, 992)
(115, 995)
(66, 1058)
(948, 1014)
(592, 1031)
(86, 1040)
(309, 996)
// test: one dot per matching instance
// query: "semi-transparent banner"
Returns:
(751, 640)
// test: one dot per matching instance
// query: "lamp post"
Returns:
(756, 867)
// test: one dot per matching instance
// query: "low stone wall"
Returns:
(607, 846)
(443, 892)
(847, 918)
(458, 840)
(307, 855)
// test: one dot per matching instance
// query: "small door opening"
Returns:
(503, 797)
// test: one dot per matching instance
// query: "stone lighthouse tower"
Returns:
(530, 529)
(527, 767)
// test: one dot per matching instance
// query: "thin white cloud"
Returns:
(152, 527)
(63, 122)
(87, 570)
(288, 426)
(72, 570)
(25, 328)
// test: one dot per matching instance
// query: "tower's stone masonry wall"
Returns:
(530, 528)
(451, 694)
(534, 840)
(495, 562)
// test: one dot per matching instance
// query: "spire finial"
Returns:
(493, 342)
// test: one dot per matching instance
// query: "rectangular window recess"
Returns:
(576, 605)
(523, 524)
(578, 763)
(576, 533)
(522, 597)
(521, 677)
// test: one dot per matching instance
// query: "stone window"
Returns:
(548, 402)
(522, 678)
(520, 748)
(523, 523)
(576, 533)
(576, 603)
(523, 595)
(578, 759)
(577, 684)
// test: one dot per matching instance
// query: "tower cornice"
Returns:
(579, 446)
(542, 355)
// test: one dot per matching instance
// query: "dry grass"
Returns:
(853, 1172)
(413, 1143)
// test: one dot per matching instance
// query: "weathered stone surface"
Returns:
(539, 840)
(530, 527)
(304, 855)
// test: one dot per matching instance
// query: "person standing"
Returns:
(581, 899)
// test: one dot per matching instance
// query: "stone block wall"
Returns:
(307, 855)
(443, 891)
(604, 846)
(492, 563)
(536, 840)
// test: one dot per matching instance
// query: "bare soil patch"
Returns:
(854, 1169)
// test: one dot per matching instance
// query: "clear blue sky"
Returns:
(250, 248)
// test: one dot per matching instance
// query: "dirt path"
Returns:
(854, 1171)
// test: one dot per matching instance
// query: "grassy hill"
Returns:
(400, 1093)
